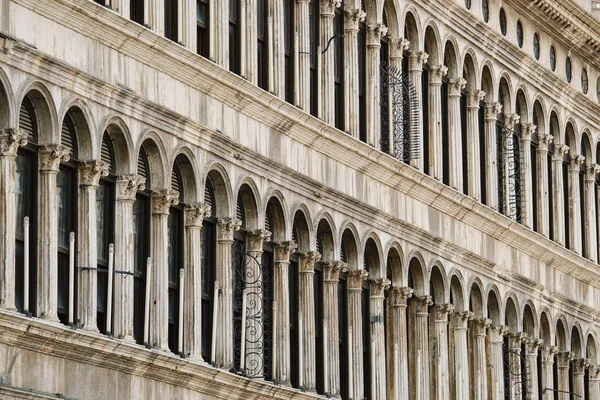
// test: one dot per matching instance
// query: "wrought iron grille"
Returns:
(509, 173)
(518, 384)
(399, 106)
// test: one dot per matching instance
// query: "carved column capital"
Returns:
(374, 34)
(10, 140)
(306, 262)
(354, 17)
(436, 74)
(400, 295)
(532, 346)
(378, 286)
(90, 172)
(576, 161)
(544, 141)
(416, 59)
(480, 325)
(461, 319)
(527, 131)
(398, 46)
(442, 311)
(492, 110)
(356, 278)
(548, 353)
(559, 152)
(590, 172)
(226, 228)
(510, 120)
(328, 7)
(455, 86)
(332, 271)
(163, 200)
(195, 214)
(515, 339)
(255, 239)
(580, 365)
(51, 156)
(594, 372)
(497, 333)
(282, 250)
(422, 303)
(128, 186)
(563, 359)
(474, 97)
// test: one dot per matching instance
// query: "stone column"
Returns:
(460, 352)
(192, 323)
(188, 30)
(415, 66)
(579, 367)
(491, 154)
(436, 164)
(331, 276)
(302, 29)
(351, 89)
(10, 140)
(589, 219)
(479, 359)
(527, 130)
(373, 113)
(594, 382)
(510, 159)
(496, 362)
(543, 211)
(455, 155)
(398, 373)
(250, 43)
(574, 204)
(224, 350)
(87, 260)
(159, 298)
(378, 385)
(277, 49)
(282, 251)
(514, 363)
(355, 317)
(221, 38)
(420, 374)
(439, 352)
(557, 191)
(531, 356)
(306, 289)
(156, 12)
(127, 188)
(327, 112)
(473, 164)
(548, 353)
(49, 158)
(563, 359)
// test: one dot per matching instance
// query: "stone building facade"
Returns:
(207, 199)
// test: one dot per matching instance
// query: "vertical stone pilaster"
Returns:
(224, 350)
(531, 356)
(374, 34)
(479, 326)
(127, 188)
(563, 360)
(509, 179)
(557, 191)
(514, 363)
(192, 314)
(277, 48)
(378, 385)
(87, 284)
(351, 89)
(543, 210)
(421, 377)
(188, 30)
(574, 204)
(415, 66)
(331, 276)
(10, 140)
(589, 219)
(460, 352)
(398, 373)
(436, 164)
(491, 154)
(355, 279)
(579, 367)
(496, 362)
(302, 29)
(455, 86)
(527, 130)
(49, 158)
(221, 30)
(327, 109)
(159, 300)
(473, 164)
(306, 289)
(251, 45)
(548, 353)
(157, 16)
(439, 352)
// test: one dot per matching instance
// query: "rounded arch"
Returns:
(457, 291)
(326, 241)
(349, 247)
(372, 256)
(470, 69)
(248, 205)
(562, 334)
(530, 320)
(451, 59)
(488, 81)
(45, 111)
(412, 28)
(417, 274)
(275, 216)
(8, 114)
(546, 324)
(571, 137)
(395, 267)
(539, 115)
(586, 146)
(556, 125)
(432, 43)
(522, 104)
(123, 147)
(505, 93)
(476, 300)
(153, 147)
(301, 229)
(217, 176)
(577, 341)
(494, 306)
(393, 21)
(186, 163)
(438, 283)
(591, 347)
(85, 128)
(373, 11)
(511, 314)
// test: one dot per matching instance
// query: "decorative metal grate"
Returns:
(509, 173)
(518, 384)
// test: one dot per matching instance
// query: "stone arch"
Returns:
(158, 178)
(511, 314)
(505, 93)
(45, 111)
(412, 28)
(556, 126)
(451, 59)
(571, 138)
(217, 176)
(326, 243)
(476, 300)
(275, 215)
(530, 320)
(349, 248)
(488, 82)
(457, 291)
(395, 266)
(539, 116)
(372, 257)
(577, 341)
(470, 69)
(417, 274)
(186, 162)
(393, 22)
(591, 347)
(494, 306)
(438, 282)
(122, 144)
(432, 43)
(374, 12)
(247, 206)
(562, 335)
(7, 103)
(522, 105)
(586, 146)
(301, 231)
(85, 128)
(546, 328)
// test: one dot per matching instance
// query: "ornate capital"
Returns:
(559, 152)
(474, 97)
(416, 59)
(51, 156)
(548, 353)
(255, 240)
(422, 303)
(461, 319)
(355, 16)
(10, 140)
(590, 172)
(563, 359)
(128, 186)
(282, 251)
(456, 85)
(515, 340)
(332, 270)
(306, 262)
(527, 130)
(594, 372)
(378, 286)
(498, 332)
(226, 228)
(356, 278)
(480, 325)
(436, 73)
(544, 141)
(442, 311)
(492, 110)
(400, 295)
(195, 214)
(328, 7)
(576, 161)
(90, 172)
(510, 120)
(375, 32)
(163, 200)
(532, 346)
(398, 46)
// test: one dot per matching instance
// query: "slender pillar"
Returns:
(306, 288)
(496, 362)
(436, 165)
(192, 323)
(548, 353)
(579, 367)
(557, 192)
(87, 284)
(10, 140)
(250, 43)
(221, 38)
(478, 358)
(127, 188)
(327, 112)
(527, 130)
(331, 275)
(159, 308)
(543, 211)
(415, 66)
(594, 382)
(157, 13)
(302, 29)
(439, 352)
(277, 48)
(224, 353)
(531, 357)
(460, 352)
(351, 89)
(510, 160)
(491, 154)
(397, 333)
(420, 376)
(473, 164)
(455, 155)
(563, 360)
(590, 248)
(514, 364)
(374, 34)
(50, 158)
(396, 47)
(574, 204)
(379, 385)
(355, 279)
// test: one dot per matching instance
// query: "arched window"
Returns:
(171, 20)
(289, 34)
(209, 242)
(202, 23)
(552, 58)
(503, 21)
(234, 36)
(520, 33)
(26, 196)
(568, 69)
(338, 67)
(485, 10)
(141, 240)
(536, 45)
(105, 217)
(261, 35)
(584, 81)
(313, 31)
(136, 11)
(175, 256)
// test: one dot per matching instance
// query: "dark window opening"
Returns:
(362, 81)
(313, 31)
(503, 21)
(261, 31)
(288, 28)
(202, 23)
(445, 134)
(171, 20)
(234, 36)
(338, 67)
